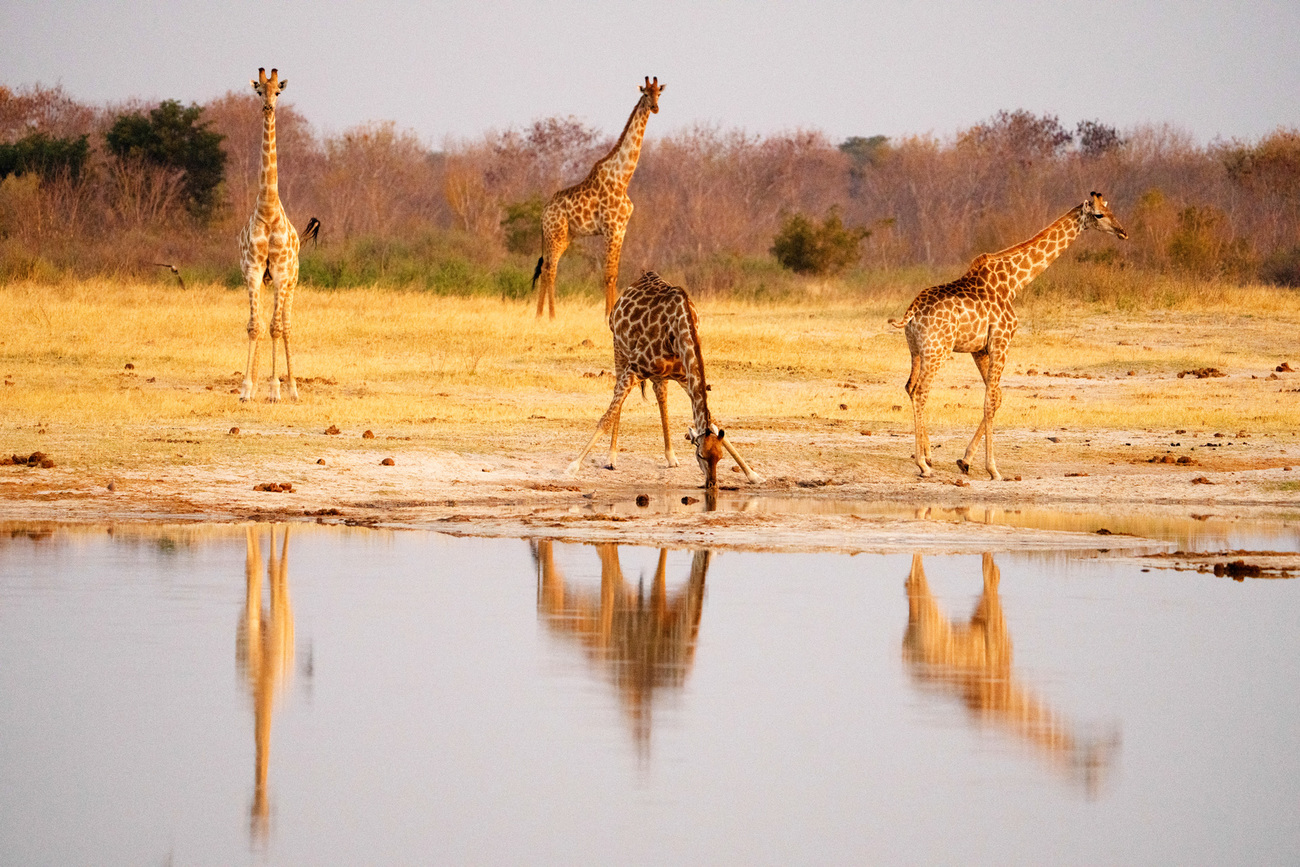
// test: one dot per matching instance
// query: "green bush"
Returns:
(804, 247)
(523, 226)
(172, 136)
(46, 156)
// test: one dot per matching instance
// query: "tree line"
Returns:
(114, 189)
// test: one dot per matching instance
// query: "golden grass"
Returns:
(465, 373)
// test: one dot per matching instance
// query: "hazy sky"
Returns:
(847, 68)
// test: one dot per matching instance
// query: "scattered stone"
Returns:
(388, 462)
(1016, 479)
(332, 430)
(587, 343)
(1201, 480)
(642, 500)
(961, 483)
(320, 461)
(865, 433)
(275, 487)
(1104, 532)
(234, 431)
(1132, 373)
(1180, 431)
(1053, 439)
(1202, 373)
(1272, 376)
(1237, 570)
(1283, 368)
(735, 469)
(896, 408)
(112, 486)
(1074, 475)
(35, 459)
(689, 501)
(322, 513)
(130, 366)
(1187, 461)
(844, 406)
(368, 435)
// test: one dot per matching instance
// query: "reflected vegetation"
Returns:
(641, 642)
(264, 654)
(972, 662)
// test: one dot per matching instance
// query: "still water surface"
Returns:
(200, 695)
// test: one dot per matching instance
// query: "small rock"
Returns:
(1201, 480)
(320, 461)
(130, 366)
(1132, 373)
(587, 343)
(388, 462)
(689, 501)
(368, 435)
(1104, 532)
(1283, 368)
(642, 500)
(865, 433)
(112, 486)
(234, 431)
(1074, 475)
(332, 430)
(962, 483)
(844, 406)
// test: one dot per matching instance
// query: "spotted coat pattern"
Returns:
(598, 205)
(974, 314)
(268, 251)
(656, 338)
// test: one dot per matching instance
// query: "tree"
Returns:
(1019, 134)
(806, 248)
(172, 137)
(865, 151)
(1096, 138)
(46, 156)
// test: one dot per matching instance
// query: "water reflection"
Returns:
(264, 653)
(641, 642)
(972, 662)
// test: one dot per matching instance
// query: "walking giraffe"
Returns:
(656, 337)
(599, 205)
(974, 314)
(268, 249)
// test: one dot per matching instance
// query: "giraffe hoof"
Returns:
(963, 466)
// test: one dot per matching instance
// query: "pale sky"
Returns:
(461, 68)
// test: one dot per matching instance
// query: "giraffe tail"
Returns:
(537, 272)
(312, 232)
(907, 317)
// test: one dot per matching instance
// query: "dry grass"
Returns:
(465, 373)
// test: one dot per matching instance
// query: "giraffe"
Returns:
(974, 314)
(656, 338)
(268, 249)
(641, 641)
(598, 205)
(973, 662)
(264, 653)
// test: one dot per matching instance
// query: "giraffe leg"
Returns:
(990, 364)
(613, 251)
(661, 396)
(608, 422)
(277, 329)
(751, 476)
(253, 279)
(924, 368)
(286, 308)
(554, 243)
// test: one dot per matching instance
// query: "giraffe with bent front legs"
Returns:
(268, 249)
(656, 338)
(974, 314)
(598, 205)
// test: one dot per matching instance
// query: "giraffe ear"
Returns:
(721, 433)
(283, 85)
(252, 82)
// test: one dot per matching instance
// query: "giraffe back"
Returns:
(656, 331)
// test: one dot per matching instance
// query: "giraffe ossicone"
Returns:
(597, 205)
(656, 338)
(268, 250)
(974, 314)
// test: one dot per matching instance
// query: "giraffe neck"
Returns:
(620, 162)
(693, 361)
(268, 187)
(1027, 260)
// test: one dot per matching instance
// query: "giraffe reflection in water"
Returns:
(973, 662)
(641, 642)
(264, 652)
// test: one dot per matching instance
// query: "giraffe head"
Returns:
(269, 88)
(1097, 215)
(708, 451)
(651, 92)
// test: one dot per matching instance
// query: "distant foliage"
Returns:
(173, 137)
(865, 151)
(523, 225)
(1019, 135)
(804, 247)
(1097, 139)
(48, 157)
